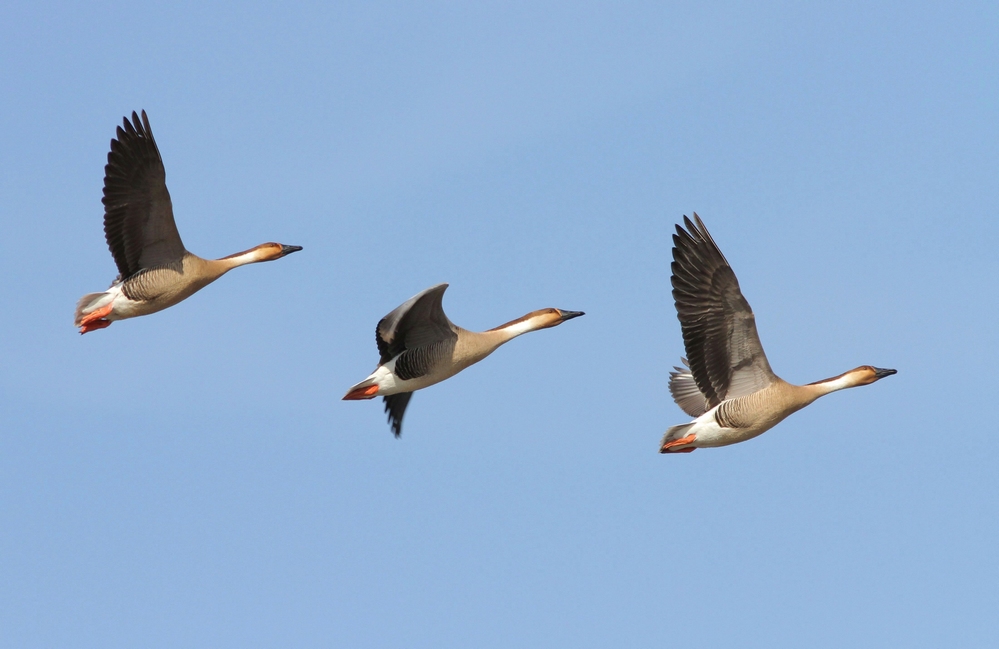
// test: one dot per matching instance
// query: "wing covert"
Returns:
(418, 322)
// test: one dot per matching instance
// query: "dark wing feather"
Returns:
(420, 361)
(395, 406)
(719, 329)
(418, 322)
(138, 215)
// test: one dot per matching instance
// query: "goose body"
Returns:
(419, 346)
(155, 271)
(727, 384)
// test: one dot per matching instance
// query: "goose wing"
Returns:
(395, 407)
(138, 214)
(417, 323)
(685, 392)
(723, 347)
(420, 335)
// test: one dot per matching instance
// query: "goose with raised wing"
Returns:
(155, 271)
(419, 346)
(727, 384)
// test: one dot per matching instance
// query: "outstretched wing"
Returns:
(138, 214)
(417, 322)
(723, 347)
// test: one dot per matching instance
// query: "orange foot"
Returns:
(367, 392)
(679, 442)
(94, 326)
(95, 319)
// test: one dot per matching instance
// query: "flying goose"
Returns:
(419, 346)
(155, 271)
(728, 385)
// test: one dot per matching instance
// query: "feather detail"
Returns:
(138, 215)
(395, 406)
(725, 356)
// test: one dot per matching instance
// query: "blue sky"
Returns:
(193, 479)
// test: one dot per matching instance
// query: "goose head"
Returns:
(867, 374)
(545, 318)
(863, 375)
(264, 252)
(271, 251)
(540, 319)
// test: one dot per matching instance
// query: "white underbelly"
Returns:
(389, 383)
(710, 434)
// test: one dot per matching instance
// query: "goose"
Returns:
(155, 271)
(419, 347)
(727, 384)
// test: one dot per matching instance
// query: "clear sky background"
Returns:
(192, 478)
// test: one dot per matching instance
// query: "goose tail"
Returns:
(90, 303)
(672, 439)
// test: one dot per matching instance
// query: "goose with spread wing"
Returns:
(727, 384)
(419, 346)
(155, 271)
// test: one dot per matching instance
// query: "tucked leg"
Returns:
(670, 447)
(95, 319)
(94, 326)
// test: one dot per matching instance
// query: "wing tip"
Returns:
(395, 408)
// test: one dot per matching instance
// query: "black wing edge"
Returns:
(395, 406)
